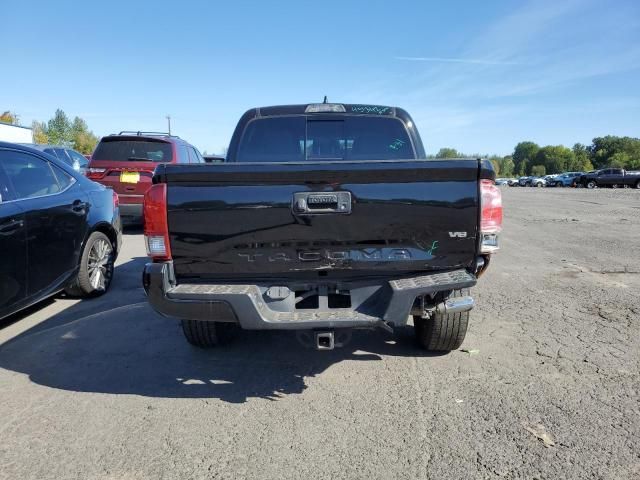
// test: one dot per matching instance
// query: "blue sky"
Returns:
(477, 76)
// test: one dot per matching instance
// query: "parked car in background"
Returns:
(69, 156)
(524, 181)
(126, 161)
(567, 179)
(579, 180)
(611, 177)
(213, 158)
(58, 230)
(507, 181)
(537, 182)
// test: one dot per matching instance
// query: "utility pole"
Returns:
(169, 123)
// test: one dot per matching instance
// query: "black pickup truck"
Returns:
(610, 177)
(324, 217)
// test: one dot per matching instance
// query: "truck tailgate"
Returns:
(355, 218)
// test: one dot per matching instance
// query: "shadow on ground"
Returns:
(117, 344)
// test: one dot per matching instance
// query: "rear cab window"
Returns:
(324, 137)
(136, 150)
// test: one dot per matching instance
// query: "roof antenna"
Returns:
(325, 99)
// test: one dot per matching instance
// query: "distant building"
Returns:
(15, 133)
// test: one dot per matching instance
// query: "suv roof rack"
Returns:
(148, 134)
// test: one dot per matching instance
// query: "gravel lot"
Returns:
(107, 389)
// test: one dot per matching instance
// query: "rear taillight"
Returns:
(96, 172)
(490, 216)
(116, 200)
(156, 229)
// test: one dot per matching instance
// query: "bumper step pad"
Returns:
(245, 304)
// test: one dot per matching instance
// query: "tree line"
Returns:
(59, 130)
(528, 158)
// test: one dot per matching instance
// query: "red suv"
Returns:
(126, 161)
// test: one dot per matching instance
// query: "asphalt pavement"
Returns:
(547, 387)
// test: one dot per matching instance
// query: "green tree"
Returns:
(78, 126)
(555, 159)
(538, 171)
(523, 156)
(59, 129)
(619, 159)
(448, 153)
(9, 117)
(497, 167)
(604, 148)
(39, 132)
(506, 166)
(83, 140)
(581, 161)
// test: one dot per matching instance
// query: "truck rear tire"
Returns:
(442, 332)
(208, 334)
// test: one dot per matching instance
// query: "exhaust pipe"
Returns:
(455, 305)
(325, 341)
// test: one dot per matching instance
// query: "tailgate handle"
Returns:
(312, 203)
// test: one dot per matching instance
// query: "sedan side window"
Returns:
(30, 176)
(64, 179)
(5, 192)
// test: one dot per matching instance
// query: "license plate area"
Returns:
(129, 177)
(313, 203)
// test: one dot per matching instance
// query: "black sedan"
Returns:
(58, 230)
